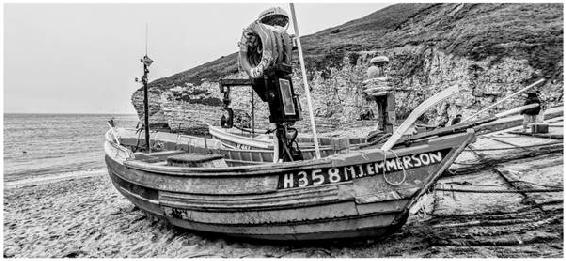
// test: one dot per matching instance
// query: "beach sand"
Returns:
(86, 217)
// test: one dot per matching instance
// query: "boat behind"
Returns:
(240, 140)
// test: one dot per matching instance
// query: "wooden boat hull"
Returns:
(362, 194)
(325, 228)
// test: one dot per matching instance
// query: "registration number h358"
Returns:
(315, 177)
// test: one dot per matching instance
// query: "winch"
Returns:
(265, 56)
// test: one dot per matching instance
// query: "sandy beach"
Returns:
(86, 217)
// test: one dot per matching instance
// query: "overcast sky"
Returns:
(83, 58)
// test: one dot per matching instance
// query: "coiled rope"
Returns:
(384, 174)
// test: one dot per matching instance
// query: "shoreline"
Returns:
(47, 179)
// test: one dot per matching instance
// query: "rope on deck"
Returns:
(516, 147)
(500, 191)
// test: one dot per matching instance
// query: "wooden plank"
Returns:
(306, 192)
(516, 110)
(147, 205)
(267, 156)
(184, 184)
(261, 159)
(250, 205)
(238, 163)
(382, 207)
(509, 143)
(540, 135)
(341, 209)
(416, 113)
(212, 185)
(314, 230)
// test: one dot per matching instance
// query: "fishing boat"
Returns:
(360, 194)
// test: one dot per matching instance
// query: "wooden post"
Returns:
(146, 111)
(306, 85)
(390, 112)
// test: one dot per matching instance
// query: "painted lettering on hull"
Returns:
(316, 177)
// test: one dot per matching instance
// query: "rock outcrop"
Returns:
(488, 50)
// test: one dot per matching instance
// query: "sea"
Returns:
(56, 144)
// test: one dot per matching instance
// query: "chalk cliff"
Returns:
(488, 50)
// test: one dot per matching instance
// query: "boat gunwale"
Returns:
(217, 140)
(331, 161)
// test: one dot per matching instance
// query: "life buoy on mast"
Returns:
(263, 45)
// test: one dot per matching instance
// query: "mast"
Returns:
(146, 63)
(305, 83)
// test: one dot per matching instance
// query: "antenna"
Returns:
(146, 29)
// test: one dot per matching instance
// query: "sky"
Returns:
(83, 58)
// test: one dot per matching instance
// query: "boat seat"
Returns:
(156, 156)
(197, 160)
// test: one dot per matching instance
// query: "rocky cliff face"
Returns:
(488, 50)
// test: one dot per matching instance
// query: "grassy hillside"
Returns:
(522, 31)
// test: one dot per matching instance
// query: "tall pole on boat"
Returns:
(146, 63)
(253, 112)
(305, 83)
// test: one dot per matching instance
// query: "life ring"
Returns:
(258, 54)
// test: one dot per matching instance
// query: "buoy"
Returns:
(262, 47)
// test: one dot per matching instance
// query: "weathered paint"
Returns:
(245, 201)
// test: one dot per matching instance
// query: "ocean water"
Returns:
(53, 144)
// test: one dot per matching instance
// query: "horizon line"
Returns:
(97, 113)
